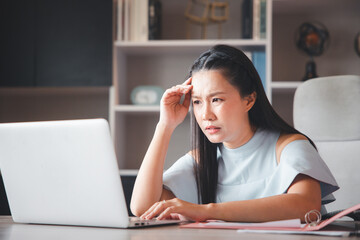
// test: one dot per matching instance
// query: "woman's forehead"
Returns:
(207, 77)
(208, 81)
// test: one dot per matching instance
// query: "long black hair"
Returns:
(241, 73)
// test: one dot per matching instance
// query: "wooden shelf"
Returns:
(285, 86)
(185, 46)
(137, 108)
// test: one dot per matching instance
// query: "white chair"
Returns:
(327, 110)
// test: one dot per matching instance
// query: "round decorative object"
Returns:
(146, 95)
(312, 39)
(357, 44)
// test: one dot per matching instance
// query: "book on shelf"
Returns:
(259, 19)
(259, 60)
(138, 20)
(154, 19)
(247, 18)
(262, 19)
(120, 20)
(126, 19)
(256, 20)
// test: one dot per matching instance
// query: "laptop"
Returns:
(64, 173)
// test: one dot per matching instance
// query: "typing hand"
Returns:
(177, 209)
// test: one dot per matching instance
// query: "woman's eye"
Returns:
(196, 102)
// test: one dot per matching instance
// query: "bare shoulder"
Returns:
(283, 140)
(286, 138)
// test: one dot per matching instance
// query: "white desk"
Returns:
(14, 231)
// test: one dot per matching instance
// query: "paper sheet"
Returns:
(323, 233)
(292, 223)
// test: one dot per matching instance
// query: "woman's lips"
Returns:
(212, 129)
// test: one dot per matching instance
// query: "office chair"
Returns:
(327, 110)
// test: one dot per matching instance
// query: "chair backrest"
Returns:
(327, 110)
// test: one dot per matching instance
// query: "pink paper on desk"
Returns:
(285, 225)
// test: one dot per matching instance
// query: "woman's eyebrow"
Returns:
(209, 95)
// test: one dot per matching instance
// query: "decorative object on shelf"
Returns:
(357, 44)
(204, 12)
(312, 38)
(146, 95)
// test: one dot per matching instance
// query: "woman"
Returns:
(246, 165)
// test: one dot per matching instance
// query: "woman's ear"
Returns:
(250, 100)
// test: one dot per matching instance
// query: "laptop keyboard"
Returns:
(135, 221)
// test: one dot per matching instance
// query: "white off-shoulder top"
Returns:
(251, 171)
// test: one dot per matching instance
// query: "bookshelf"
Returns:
(166, 63)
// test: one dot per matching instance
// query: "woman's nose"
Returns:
(207, 114)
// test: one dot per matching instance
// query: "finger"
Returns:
(187, 100)
(183, 88)
(172, 94)
(149, 210)
(169, 94)
(157, 210)
(166, 213)
(171, 99)
(174, 216)
(178, 90)
(178, 216)
(183, 218)
(188, 81)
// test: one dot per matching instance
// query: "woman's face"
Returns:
(220, 111)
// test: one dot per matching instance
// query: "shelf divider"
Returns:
(129, 108)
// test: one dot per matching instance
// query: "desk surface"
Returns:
(10, 230)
